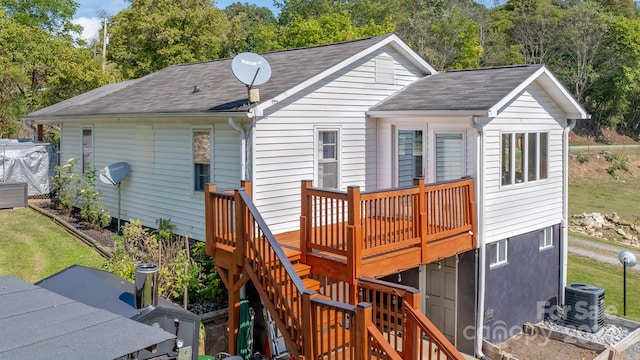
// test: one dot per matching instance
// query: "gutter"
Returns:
(243, 147)
(133, 116)
(564, 248)
(480, 253)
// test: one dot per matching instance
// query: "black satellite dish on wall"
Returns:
(114, 174)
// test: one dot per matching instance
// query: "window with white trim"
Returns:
(327, 171)
(449, 156)
(524, 157)
(87, 148)
(545, 238)
(201, 158)
(498, 252)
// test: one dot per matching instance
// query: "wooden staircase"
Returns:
(319, 317)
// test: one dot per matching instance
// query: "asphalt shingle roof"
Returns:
(474, 89)
(170, 90)
(38, 324)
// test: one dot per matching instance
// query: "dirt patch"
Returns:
(603, 137)
(537, 347)
(589, 167)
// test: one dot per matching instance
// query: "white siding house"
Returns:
(369, 113)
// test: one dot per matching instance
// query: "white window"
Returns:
(410, 153)
(87, 148)
(449, 156)
(524, 157)
(498, 252)
(201, 158)
(327, 172)
(545, 239)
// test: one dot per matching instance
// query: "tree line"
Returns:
(592, 46)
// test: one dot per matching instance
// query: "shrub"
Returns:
(583, 158)
(64, 186)
(69, 190)
(180, 268)
(618, 162)
(91, 208)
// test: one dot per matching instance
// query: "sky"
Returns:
(87, 14)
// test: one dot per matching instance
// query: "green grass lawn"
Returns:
(609, 277)
(606, 197)
(32, 247)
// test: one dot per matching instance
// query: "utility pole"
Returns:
(105, 19)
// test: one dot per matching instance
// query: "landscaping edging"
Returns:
(101, 249)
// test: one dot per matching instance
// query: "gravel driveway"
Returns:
(606, 253)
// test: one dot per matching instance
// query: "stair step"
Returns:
(301, 269)
(311, 284)
(292, 254)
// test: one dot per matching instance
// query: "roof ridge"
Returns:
(514, 66)
(381, 37)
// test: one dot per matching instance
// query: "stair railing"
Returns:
(312, 325)
(397, 315)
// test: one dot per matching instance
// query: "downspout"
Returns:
(570, 124)
(243, 147)
(481, 253)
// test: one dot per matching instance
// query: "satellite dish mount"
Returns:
(114, 174)
(251, 69)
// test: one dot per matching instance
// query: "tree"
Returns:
(616, 89)
(152, 34)
(244, 21)
(53, 16)
(31, 78)
(534, 27)
(326, 29)
(582, 38)
(441, 33)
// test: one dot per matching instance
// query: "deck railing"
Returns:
(356, 225)
(451, 209)
(397, 316)
(313, 326)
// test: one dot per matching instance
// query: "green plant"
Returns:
(64, 186)
(180, 267)
(91, 208)
(583, 158)
(618, 162)
(209, 285)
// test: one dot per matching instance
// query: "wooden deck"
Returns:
(312, 280)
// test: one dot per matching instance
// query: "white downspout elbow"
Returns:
(243, 148)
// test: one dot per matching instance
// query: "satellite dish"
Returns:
(627, 258)
(251, 69)
(114, 173)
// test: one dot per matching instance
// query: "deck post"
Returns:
(354, 240)
(305, 219)
(241, 229)
(421, 219)
(412, 335)
(472, 212)
(209, 218)
(364, 317)
(308, 332)
(246, 185)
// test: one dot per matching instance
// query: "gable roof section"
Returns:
(483, 91)
(171, 90)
